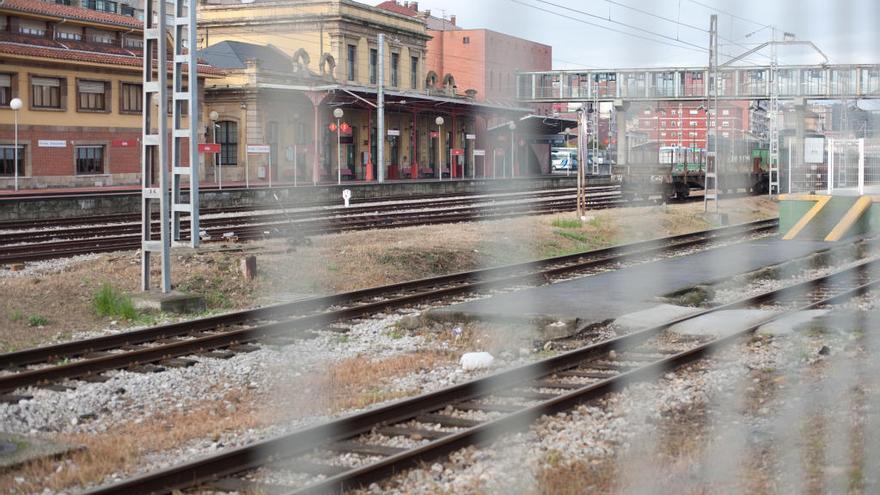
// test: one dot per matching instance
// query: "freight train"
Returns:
(674, 171)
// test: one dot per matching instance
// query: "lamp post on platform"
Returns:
(214, 117)
(439, 121)
(338, 113)
(512, 128)
(15, 105)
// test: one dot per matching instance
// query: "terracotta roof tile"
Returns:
(395, 7)
(85, 56)
(70, 12)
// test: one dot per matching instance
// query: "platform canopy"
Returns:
(540, 128)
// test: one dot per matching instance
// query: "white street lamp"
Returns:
(214, 117)
(338, 113)
(439, 121)
(512, 128)
(15, 105)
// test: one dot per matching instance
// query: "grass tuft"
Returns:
(567, 223)
(37, 321)
(110, 302)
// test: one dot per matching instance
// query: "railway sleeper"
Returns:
(307, 467)
(413, 433)
(238, 485)
(446, 421)
(364, 449)
(14, 399)
(146, 368)
(524, 394)
(178, 363)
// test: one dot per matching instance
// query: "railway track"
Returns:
(249, 209)
(510, 401)
(54, 242)
(63, 366)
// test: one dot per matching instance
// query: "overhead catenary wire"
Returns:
(744, 19)
(673, 42)
(582, 21)
(677, 22)
(630, 26)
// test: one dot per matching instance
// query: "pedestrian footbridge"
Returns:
(810, 82)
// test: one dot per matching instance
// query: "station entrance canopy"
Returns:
(819, 82)
(398, 101)
(540, 128)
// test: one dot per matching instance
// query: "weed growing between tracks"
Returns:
(109, 302)
(121, 449)
(333, 263)
(352, 383)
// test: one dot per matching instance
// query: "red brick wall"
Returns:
(486, 51)
(507, 54)
(60, 161)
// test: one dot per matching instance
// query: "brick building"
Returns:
(475, 59)
(687, 124)
(78, 74)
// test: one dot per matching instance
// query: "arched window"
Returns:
(227, 137)
(431, 80)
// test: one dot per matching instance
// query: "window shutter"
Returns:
(46, 81)
(95, 87)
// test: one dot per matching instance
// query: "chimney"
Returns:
(414, 6)
(452, 20)
(428, 13)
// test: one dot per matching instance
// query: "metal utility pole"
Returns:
(380, 111)
(184, 39)
(581, 195)
(773, 152)
(710, 187)
(154, 163)
(594, 124)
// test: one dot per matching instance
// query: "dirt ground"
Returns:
(54, 303)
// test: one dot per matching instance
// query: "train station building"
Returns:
(78, 73)
(291, 67)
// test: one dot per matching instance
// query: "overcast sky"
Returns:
(846, 30)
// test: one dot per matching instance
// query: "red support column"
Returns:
(452, 162)
(316, 164)
(414, 146)
(368, 174)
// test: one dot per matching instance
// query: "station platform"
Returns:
(61, 203)
(828, 217)
(607, 296)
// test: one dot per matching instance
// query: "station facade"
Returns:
(78, 73)
(290, 67)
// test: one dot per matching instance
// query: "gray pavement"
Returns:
(609, 295)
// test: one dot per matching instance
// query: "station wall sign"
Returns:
(479, 152)
(209, 148)
(814, 150)
(394, 132)
(470, 137)
(123, 143)
(457, 152)
(52, 143)
(259, 149)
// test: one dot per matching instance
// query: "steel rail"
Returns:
(241, 459)
(93, 225)
(439, 199)
(355, 304)
(53, 249)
